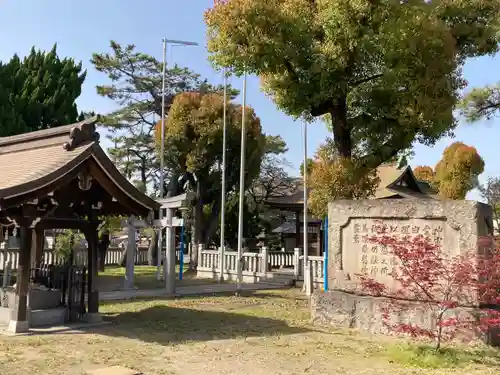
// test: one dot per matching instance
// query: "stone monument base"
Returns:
(347, 310)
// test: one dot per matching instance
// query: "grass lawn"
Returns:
(260, 334)
(145, 278)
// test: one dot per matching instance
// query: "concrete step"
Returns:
(283, 271)
(270, 285)
(277, 281)
(278, 276)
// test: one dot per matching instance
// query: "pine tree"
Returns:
(136, 86)
(38, 92)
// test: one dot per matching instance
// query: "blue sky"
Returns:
(81, 28)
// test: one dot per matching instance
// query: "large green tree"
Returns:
(193, 141)
(135, 85)
(38, 92)
(387, 72)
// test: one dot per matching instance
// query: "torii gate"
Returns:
(169, 223)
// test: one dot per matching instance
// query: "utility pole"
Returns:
(242, 188)
(223, 198)
(307, 279)
(162, 145)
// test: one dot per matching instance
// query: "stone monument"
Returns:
(455, 225)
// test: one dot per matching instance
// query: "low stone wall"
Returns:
(36, 318)
(44, 307)
(341, 309)
(37, 299)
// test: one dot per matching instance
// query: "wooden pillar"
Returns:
(92, 265)
(19, 317)
(298, 242)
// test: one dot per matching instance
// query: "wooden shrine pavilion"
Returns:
(394, 183)
(60, 178)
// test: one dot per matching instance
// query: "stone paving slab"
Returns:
(188, 290)
(113, 370)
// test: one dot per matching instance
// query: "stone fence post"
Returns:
(200, 260)
(265, 260)
(296, 262)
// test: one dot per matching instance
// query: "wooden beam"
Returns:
(52, 223)
(133, 206)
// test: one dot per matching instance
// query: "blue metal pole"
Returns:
(181, 255)
(325, 255)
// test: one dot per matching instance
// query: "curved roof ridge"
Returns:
(70, 136)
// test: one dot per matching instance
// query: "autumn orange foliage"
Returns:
(332, 178)
(193, 134)
(456, 173)
(424, 173)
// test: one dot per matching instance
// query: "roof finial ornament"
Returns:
(83, 132)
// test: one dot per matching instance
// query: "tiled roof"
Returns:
(37, 157)
(28, 165)
(35, 160)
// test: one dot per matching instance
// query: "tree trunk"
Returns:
(212, 224)
(144, 178)
(196, 230)
(153, 250)
(193, 260)
(341, 129)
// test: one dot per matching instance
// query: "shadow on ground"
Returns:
(181, 320)
(167, 325)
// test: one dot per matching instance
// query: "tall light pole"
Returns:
(307, 281)
(162, 146)
(223, 198)
(242, 188)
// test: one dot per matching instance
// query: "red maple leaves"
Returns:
(459, 293)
